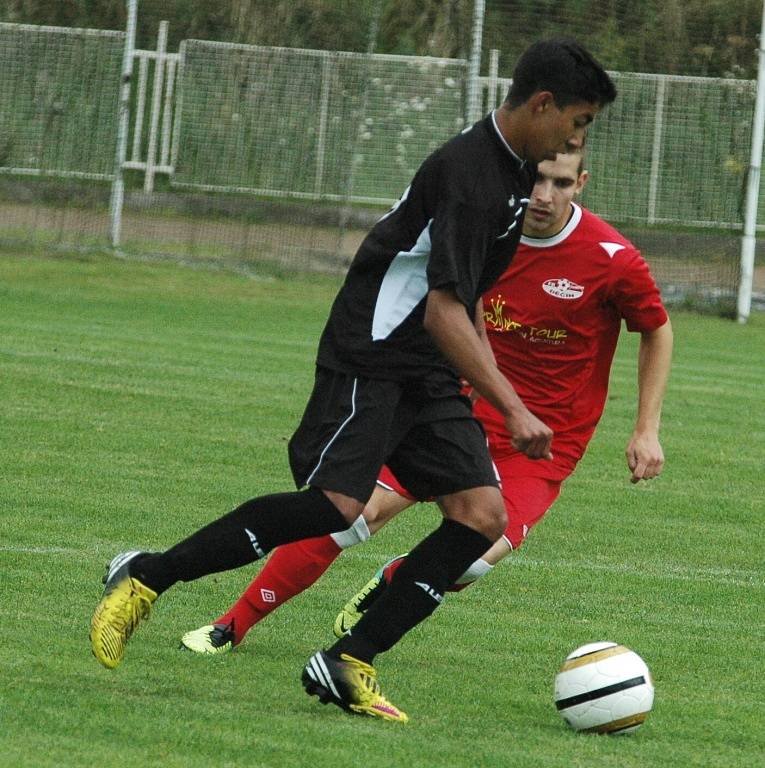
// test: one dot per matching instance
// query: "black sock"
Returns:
(240, 537)
(416, 590)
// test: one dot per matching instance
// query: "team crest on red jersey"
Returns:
(562, 288)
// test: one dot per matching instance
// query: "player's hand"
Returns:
(645, 457)
(530, 435)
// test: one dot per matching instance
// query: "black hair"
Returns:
(565, 68)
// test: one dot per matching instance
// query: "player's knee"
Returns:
(481, 509)
(496, 522)
(374, 510)
(383, 506)
(488, 518)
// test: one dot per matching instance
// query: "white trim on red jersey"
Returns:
(547, 242)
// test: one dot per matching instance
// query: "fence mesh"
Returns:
(677, 189)
(58, 120)
(285, 156)
(291, 140)
(58, 97)
(668, 162)
(286, 122)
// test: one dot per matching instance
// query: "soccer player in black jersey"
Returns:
(404, 328)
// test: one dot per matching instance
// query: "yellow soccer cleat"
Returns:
(354, 609)
(124, 603)
(350, 684)
(357, 606)
(213, 639)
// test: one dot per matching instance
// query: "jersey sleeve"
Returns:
(461, 236)
(635, 293)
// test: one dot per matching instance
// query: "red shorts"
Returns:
(526, 498)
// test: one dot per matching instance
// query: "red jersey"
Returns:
(553, 320)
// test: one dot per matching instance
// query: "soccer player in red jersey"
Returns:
(552, 320)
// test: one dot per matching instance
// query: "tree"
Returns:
(706, 37)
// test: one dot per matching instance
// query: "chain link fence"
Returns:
(271, 158)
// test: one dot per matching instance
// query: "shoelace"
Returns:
(373, 697)
(366, 674)
(370, 587)
(369, 691)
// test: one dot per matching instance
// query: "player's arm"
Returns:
(457, 337)
(645, 456)
(480, 327)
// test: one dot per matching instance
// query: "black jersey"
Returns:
(456, 226)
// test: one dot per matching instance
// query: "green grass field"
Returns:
(138, 401)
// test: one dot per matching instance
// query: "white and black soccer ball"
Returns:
(604, 688)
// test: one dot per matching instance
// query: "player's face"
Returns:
(558, 129)
(558, 182)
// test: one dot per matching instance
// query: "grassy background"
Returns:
(139, 401)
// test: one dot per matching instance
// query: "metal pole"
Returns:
(167, 114)
(156, 106)
(493, 99)
(474, 65)
(118, 184)
(753, 188)
(140, 106)
(658, 131)
(321, 141)
(178, 106)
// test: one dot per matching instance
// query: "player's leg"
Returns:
(291, 569)
(135, 579)
(330, 450)
(363, 599)
(447, 455)
(526, 499)
(414, 593)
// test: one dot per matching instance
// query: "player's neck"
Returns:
(552, 231)
(507, 123)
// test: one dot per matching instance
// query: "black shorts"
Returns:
(424, 431)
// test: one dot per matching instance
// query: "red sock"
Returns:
(290, 569)
(394, 565)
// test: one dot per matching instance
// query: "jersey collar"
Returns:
(547, 242)
(514, 154)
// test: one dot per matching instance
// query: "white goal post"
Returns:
(748, 239)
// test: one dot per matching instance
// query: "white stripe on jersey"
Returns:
(404, 286)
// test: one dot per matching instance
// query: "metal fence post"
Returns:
(658, 132)
(493, 82)
(321, 141)
(167, 113)
(156, 106)
(744, 304)
(139, 106)
(118, 184)
(473, 106)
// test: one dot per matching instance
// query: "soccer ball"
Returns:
(604, 688)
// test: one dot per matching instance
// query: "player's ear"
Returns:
(584, 177)
(540, 101)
